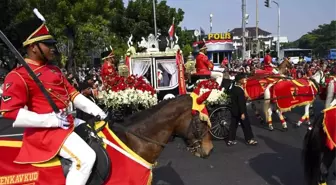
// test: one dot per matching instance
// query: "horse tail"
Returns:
(312, 149)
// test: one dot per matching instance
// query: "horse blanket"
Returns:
(289, 94)
(329, 126)
(127, 167)
(263, 72)
(255, 87)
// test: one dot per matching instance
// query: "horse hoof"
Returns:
(285, 129)
(271, 128)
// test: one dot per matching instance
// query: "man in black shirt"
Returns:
(239, 113)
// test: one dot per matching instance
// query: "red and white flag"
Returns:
(171, 31)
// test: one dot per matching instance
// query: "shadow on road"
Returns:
(166, 175)
(280, 168)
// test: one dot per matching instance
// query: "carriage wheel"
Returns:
(220, 121)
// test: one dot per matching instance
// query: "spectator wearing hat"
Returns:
(85, 89)
(239, 113)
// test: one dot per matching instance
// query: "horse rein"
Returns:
(126, 130)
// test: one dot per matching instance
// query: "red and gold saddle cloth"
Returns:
(128, 168)
(329, 126)
(289, 94)
(255, 86)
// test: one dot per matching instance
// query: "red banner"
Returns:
(180, 67)
(127, 167)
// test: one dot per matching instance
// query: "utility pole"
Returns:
(243, 28)
(257, 28)
(154, 12)
(278, 40)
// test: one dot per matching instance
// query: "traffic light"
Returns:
(267, 3)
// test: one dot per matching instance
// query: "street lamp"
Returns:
(243, 28)
(154, 12)
(211, 22)
(278, 41)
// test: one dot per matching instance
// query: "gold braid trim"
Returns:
(73, 95)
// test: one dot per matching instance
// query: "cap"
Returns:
(107, 53)
(202, 46)
(240, 76)
(34, 30)
(84, 86)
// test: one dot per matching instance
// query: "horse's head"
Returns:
(161, 121)
(195, 133)
(319, 77)
(197, 137)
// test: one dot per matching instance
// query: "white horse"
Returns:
(317, 78)
(331, 98)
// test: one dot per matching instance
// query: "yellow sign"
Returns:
(19, 178)
(219, 36)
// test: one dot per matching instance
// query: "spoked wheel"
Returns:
(220, 121)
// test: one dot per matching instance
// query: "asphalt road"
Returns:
(275, 161)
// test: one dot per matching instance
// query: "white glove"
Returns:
(102, 115)
(63, 121)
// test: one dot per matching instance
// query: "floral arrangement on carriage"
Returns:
(217, 96)
(127, 95)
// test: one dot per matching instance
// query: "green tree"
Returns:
(320, 40)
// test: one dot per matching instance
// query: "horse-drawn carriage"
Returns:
(170, 76)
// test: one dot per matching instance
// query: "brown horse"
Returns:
(162, 121)
(284, 67)
(145, 136)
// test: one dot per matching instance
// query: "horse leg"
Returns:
(268, 114)
(268, 108)
(256, 112)
(282, 119)
(327, 160)
(305, 117)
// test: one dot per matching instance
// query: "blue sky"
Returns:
(297, 16)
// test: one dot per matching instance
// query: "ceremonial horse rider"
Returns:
(204, 66)
(46, 133)
(108, 67)
(268, 66)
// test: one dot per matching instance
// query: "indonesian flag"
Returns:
(171, 31)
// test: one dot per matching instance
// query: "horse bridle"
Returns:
(199, 135)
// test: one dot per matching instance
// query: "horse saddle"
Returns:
(102, 167)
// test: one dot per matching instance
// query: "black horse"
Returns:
(317, 158)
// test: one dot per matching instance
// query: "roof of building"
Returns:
(251, 31)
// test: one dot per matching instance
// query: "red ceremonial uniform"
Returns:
(293, 73)
(107, 69)
(203, 64)
(39, 144)
(267, 63)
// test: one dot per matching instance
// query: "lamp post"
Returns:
(278, 40)
(243, 28)
(211, 22)
(257, 28)
(154, 12)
